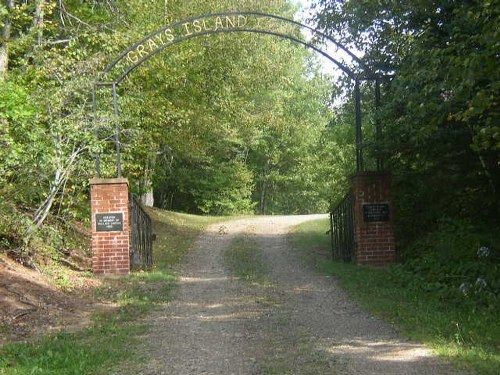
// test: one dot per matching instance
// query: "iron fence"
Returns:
(142, 237)
(342, 229)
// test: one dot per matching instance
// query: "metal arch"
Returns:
(369, 73)
(341, 66)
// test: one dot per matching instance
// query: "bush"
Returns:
(458, 262)
(13, 227)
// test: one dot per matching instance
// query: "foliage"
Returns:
(44, 104)
(440, 99)
(12, 227)
(457, 262)
(225, 124)
(22, 144)
(253, 109)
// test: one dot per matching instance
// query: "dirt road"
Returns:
(296, 322)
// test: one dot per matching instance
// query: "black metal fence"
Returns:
(342, 229)
(142, 237)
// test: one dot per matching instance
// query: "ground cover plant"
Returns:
(439, 303)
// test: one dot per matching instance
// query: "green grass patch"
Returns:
(175, 233)
(312, 239)
(467, 334)
(109, 346)
(91, 351)
(243, 258)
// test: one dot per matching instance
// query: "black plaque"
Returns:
(375, 212)
(110, 222)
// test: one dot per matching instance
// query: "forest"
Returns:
(253, 124)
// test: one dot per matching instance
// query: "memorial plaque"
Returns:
(375, 212)
(110, 222)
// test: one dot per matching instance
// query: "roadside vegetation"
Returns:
(113, 336)
(450, 303)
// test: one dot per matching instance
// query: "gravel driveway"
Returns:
(297, 322)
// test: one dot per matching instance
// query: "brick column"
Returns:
(373, 219)
(110, 226)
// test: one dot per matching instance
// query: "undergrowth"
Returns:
(59, 239)
(458, 263)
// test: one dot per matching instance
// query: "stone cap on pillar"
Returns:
(108, 181)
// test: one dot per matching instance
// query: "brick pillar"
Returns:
(373, 219)
(110, 226)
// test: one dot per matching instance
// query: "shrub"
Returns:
(458, 261)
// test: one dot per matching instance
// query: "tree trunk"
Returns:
(262, 205)
(61, 175)
(4, 61)
(38, 20)
(147, 199)
(5, 37)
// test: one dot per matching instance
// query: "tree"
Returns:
(49, 79)
(226, 94)
(440, 96)
(217, 125)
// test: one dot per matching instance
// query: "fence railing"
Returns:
(142, 237)
(342, 229)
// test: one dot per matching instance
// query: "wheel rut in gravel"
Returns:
(296, 321)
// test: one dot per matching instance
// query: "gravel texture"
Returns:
(296, 322)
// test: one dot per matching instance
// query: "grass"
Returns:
(468, 336)
(113, 337)
(311, 238)
(298, 356)
(243, 259)
(175, 234)
(92, 351)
